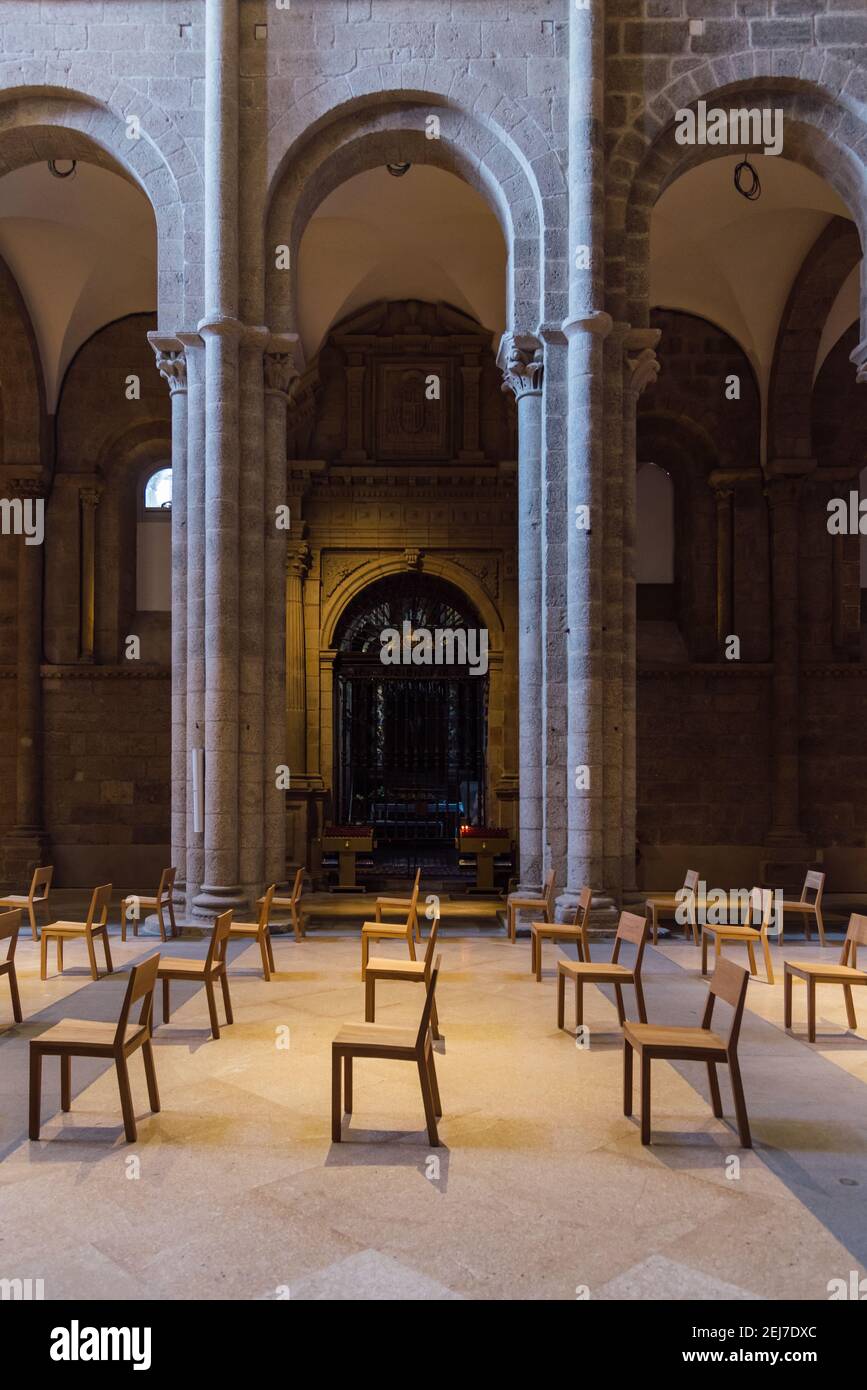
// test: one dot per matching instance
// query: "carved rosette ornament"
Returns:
(171, 360)
(521, 361)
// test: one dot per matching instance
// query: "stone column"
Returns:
(194, 623)
(640, 370)
(255, 526)
(298, 564)
(172, 366)
(26, 844)
(520, 358)
(89, 500)
(783, 491)
(222, 334)
(280, 375)
(723, 495)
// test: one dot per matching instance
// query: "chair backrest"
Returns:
(10, 923)
(41, 879)
(142, 978)
(167, 884)
(219, 938)
(431, 945)
(690, 880)
(760, 910)
(633, 928)
(582, 917)
(548, 891)
(424, 1022)
(814, 882)
(856, 935)
(265, 909)
(99, 904)
(297, 885)
(729, 983)
(412, 916)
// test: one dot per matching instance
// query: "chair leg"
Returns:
(820, 923)
(212, 1008)
(336, 1107)
(654, 922)
(713, 1082)
(35, 1090)
(704, 952)
(627, 1077)
(740, 1103)
(161, 922)
(16, 997)
(270, 948)
(126, 1100)
(752, 955)
(512, 924)
(108, 962)
(370, 999)
(639, 995)
(428, 1101)
(411, 943)
(561, 1000)
(43, 957)
(579, 1004)
(227, 998)
(365, 948)
(787, 998)
(174, 924)
(850, 1007)
(645, 1098)
(347, 1083)
(621, 1013)
(147, 1053)
(811, 1010)
(123, 921)
(166, 1001)
(31, 912)
(60, 954)
(65, 1082)
(434, 1020)
(266, 964)
(91, 955)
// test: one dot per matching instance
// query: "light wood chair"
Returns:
(516, 903)
(41, 880)
(259, 931)
(808, 905)
(846, 973)
(96, 925)
(10, 925)
(673, 1043)
(415, 971)
(78, 1037)
(378, 1040)
(401, 905)
(165, 898)
(562, 932)
(290, 904)
(202, 972)
(759, 904)
(631, 928)
(667, 904)
(388, 931)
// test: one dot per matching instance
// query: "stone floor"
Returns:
(541, 1190)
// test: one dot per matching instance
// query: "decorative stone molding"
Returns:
(520, 358)
(337, 568)
(597, 322)
(28, 487)
(642, 363)
(299, 560)
(413, 558)
(484, 568)
(105, 673)
(171, 360)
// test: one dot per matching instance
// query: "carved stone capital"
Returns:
(299, 560)
(171, 360)
(521, 360)
(642, 363)
(280, 372)
(859, 357)
(28, 487)
(90, 495)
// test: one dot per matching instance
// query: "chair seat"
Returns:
(69, 928)
(383, 929)
(798, 906)
(384, 965)
(85, 1032)
(819, 970)
(393, 902)
(180, 965)
(16, 900)
(587, 970)
(276, 902)
(244, 929)
(143, 902)
(652, 1035)
(735, 932)
(372, 1034)
(564, 929)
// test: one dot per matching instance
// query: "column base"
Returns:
(604, 914)
(212, 899)
(23, 849)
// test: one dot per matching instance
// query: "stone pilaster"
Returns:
(520, 359)
(723, 496)
(298, 565)
(88, 497)
(25, 846)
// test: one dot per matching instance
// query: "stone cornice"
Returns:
(845, 670)
(83, 672)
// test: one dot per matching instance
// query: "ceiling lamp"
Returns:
(397, 171)
(62, 173)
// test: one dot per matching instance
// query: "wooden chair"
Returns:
(388, 931)
(575, 931)
(290, 904)
(415, 971)
(630, 928)
(545, 899)
(259, 931)
(10, 925)
(846, 973)
(78, 1037)
(165, 898)
(41, 879)
(202, 972)
(401, 905)
(651, 1040)
(760, 902)
(380, 1041)
(668, 903)
(96, 925)
(809, 905)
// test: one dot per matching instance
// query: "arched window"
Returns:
(158, 491)
(654, 549)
